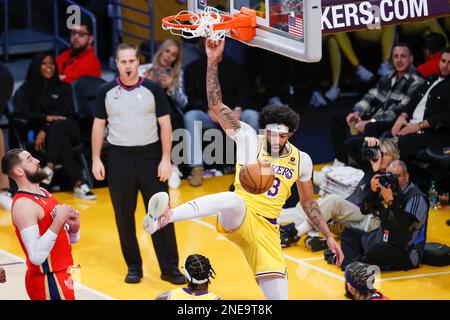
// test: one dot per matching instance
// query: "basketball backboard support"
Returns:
(288, 27)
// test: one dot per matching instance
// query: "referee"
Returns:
(135, 110)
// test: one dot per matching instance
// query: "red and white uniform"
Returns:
(51, 280)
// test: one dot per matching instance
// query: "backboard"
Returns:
(288, 27)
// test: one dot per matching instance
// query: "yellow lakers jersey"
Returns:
(186, 294)
(287, 171)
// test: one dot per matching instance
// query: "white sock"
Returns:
(274, 288)
(303, 228)
(207, 205)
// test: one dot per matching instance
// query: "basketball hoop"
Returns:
(210, 23)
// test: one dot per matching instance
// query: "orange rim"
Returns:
(245, 19)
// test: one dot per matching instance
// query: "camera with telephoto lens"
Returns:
(389, 180)
(370, 153)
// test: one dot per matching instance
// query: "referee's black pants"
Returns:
(133, 169)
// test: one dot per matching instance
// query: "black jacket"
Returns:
(437, 109)
(6, 87)
(404, 222)
(35, 105)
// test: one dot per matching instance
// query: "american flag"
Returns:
(295, 26)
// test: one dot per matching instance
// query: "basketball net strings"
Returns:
(204, 21)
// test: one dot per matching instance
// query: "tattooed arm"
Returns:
(214, 51)
(312, 211)
(311, 207)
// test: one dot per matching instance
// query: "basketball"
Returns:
(257, 177)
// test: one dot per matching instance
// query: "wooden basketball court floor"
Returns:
(102, 268)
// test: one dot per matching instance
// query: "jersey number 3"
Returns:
(274, 190)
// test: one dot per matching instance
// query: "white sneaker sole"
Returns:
(93, 197)
(157, 205)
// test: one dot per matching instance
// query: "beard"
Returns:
(442, 76)
(77, 51)
(36, 177)
(276, 154)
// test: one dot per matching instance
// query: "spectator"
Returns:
(80, 60)
(403, 211)
(359, 282)
(6, 90)
(198, 273)
(5, 195)
(234, 93)
(46, 102)
(428, 113)
(434, 43)
(346, 212)
(165, 70)
(377, 110)
(340, 42)
(137, 114)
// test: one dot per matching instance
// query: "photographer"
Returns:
(403, 211)
(377, 154)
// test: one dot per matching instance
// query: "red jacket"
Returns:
(86, 64)
(431, 66)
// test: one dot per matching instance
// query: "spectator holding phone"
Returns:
(165, 70)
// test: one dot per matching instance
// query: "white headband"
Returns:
(191, 279)
(277, 127)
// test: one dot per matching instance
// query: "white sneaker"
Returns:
(363, 74)
(5, 200)
(384, 69)
(84, 192)
(158, 215)
(275, 101)
(175, 177)
(337, 163)
(317, 100)
(333, 93)
(50, 174)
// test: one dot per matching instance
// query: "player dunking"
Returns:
(45, 229)
(246, 219)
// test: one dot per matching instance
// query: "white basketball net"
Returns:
(205, 21)
(289, 6)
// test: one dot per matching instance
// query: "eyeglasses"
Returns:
(74, 33)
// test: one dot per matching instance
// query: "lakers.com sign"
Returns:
(345, 15)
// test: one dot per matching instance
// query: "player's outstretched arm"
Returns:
(312, 210)
(214, 51)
